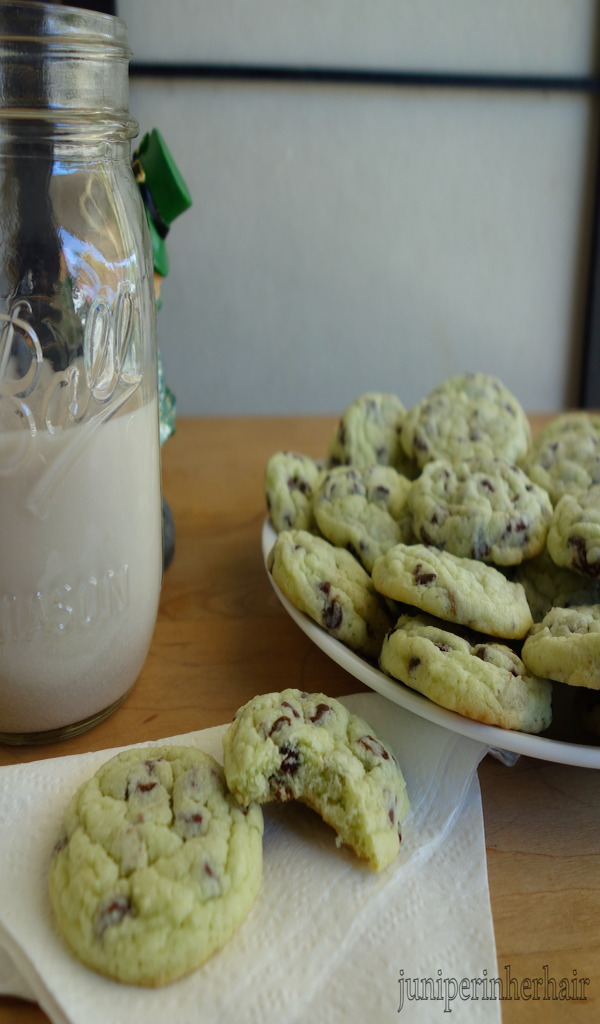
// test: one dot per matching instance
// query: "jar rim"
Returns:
(31, 22)
(58, 62)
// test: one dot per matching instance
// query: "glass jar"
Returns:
(81, 543)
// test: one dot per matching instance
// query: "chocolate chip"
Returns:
(190, 822)
(480, 550)
(423, 578)
(152, 762)
(528, 487)
(291, 759)
(286, 704)
(381, 493)
(112, 911)
(287, 520)
(333, 615)
(413, 664)
(209, 870)
(480, 652)
(279, 723)
(580, 561)
(374, 747)
(304, 487)
(392, 800)
(321, 710)
(442, 647)
(140, 787)
(325, 587)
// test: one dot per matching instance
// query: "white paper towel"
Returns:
(326, 939)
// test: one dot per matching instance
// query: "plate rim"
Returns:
(558, 751)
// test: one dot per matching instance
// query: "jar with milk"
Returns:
(80, 514)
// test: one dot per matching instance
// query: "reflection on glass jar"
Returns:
(80, 555)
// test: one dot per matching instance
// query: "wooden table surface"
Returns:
(222, 636)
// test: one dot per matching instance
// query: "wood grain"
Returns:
(222, 636)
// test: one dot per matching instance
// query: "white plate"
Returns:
(548, 749)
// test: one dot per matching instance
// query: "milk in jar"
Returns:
(79, 583)
(80, 503)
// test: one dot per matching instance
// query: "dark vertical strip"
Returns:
(36, 243)
(589, 392)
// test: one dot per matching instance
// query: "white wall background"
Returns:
(349, 238)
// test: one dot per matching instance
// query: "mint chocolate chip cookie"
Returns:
(156, 867)
(565, 456)
(468, 416)
(308, 747)
(364, 509)
(486, 509)
(290, 480)
(328, 584)
(547, 586)
(369, 432)
(485, 681)
(455, 589)
(565, 646)
(574, 535)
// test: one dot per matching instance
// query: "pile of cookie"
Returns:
(428, 536)
(160, 856)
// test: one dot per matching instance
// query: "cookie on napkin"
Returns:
(156, 867)
(308, 747)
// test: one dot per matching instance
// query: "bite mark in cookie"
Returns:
(328, 759)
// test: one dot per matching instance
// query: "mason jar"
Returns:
(80, 508)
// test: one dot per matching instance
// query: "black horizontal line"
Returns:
(351, 76)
